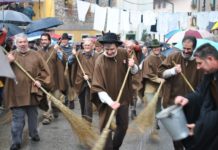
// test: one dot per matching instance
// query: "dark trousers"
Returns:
(18, 122)
(85, 103)
(121, 122)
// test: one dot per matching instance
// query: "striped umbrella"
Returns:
(199, 34)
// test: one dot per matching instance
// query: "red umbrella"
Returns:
(194, 33)
(55, 36)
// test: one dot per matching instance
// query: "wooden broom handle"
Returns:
(50, 56)
(185, 79)
(28, 75)
(80, 65)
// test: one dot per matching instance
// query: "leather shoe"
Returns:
(15, 147)
(36, 138)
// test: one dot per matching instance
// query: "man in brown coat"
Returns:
(21, 97)
(87, 57)
(151, 79)
(136, 78)
(56, 60)
(110, 70)
(170, 70)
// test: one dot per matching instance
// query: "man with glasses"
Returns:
(171, 69)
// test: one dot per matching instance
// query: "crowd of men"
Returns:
(95, 74)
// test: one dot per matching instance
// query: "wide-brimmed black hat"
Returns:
(154, 44)
(65, 36)
(109, 38)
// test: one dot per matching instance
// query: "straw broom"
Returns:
(79, 125)
(146, 118)
(185, 79)
(102, 140)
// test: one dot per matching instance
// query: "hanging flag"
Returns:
(82, 8)
(99, 18)
(5, 68)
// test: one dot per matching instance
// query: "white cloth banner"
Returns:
(173, 22)
(162, 23)
(135, 19)
(92, 8)
(202, 20)
(149, 18)
(113, 20)
(99, 18)
(82, 8)
(124, 21)
(183, 20)
(213, 16)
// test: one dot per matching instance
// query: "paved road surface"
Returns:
(59, 136)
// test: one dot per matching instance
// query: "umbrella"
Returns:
(5, 70)
(171, 33)
(34, 36)
(210, 26)
(5, 2)
(55, 36)
(199, 43)
(43, 24)
(196, 33)
(12, 29)
(215, 26)
(14, 17)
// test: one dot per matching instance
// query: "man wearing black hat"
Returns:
(67, 48)
(65, 45)
(171, 69)
(110, 70)
(150, 76)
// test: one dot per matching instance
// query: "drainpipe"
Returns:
(171, 4)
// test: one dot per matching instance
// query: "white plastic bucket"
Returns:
(174, 120)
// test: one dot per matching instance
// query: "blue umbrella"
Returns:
(43, 24)
(34, 36)
(199, 43)
(210, 25)
(12, 29)
(171, 33)
(5, 2)
(14, 17)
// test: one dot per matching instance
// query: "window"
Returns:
(83, 36)
(109, 3)
(130, 36)
(194, 4)
(212, 4)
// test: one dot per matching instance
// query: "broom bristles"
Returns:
(80, 126)
(102, 140)
(146, 119)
